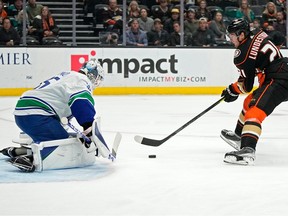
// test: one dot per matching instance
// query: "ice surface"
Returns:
(188, 177)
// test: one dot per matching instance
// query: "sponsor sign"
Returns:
(125, 67)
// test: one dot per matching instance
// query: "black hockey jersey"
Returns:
(254, 55)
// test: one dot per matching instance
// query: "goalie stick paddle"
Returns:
(155, 143)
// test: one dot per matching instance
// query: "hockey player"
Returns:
(255, 55)
(38, 112)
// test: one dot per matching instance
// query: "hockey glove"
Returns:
(88, 133)
(229, 95)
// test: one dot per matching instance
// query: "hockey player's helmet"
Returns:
(94, 71)
(238, 26)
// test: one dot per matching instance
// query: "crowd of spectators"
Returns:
(204, 22)
(148, 22)
(40, 29)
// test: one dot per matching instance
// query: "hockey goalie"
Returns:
(45, 143)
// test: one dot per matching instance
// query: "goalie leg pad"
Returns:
(98, 139)
(67, 153)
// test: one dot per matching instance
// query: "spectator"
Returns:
(14, 9)
(244, 11)
(133, 10)
(33, 9)
(175, 16)
(162, 12)
(280, 24)
(108, 38)
(8, 34)
(269, 14)
(256, 25)
(145, 22)
(135, 36)
(191, 23)
(113, 17)
(45, 25)
(202, 11)
(175, 36)
(158, 36)
(3, 13)
(275, 36)
(218, 27)
(30, 40)
(19, 28)
(203, 36)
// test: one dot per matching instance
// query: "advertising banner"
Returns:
(137, 68)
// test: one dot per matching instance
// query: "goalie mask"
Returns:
(94, 71)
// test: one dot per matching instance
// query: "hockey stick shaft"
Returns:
(66, 122)
(153, 142)
(87, 139)
(117, 140)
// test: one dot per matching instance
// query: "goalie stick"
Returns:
(116, 143)
(155, 143)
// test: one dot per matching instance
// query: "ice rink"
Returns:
(188, 177)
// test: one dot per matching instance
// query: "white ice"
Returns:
(188, 177)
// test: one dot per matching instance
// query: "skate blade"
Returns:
(22, 167)
(234, 145)
(244, 162)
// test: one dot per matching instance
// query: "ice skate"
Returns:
(9, 152)
(15, 151)
(245, 156)
(24, 163)
(231, 138)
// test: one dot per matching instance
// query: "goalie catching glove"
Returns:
(229, 94)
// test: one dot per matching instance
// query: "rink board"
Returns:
(129, 71)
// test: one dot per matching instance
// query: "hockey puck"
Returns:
(152, 156)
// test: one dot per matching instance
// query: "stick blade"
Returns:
(138, 139)
(116, 144)
(147, 141)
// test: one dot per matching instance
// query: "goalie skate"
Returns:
(245, 156)
(16, 151)
(231, 138)
(24, 163)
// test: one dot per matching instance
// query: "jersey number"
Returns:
(273, 49)
(51, 80)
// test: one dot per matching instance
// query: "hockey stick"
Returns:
(155, 143)
(65, 121)
(116, 143)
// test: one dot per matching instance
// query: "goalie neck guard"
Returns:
(94, 71)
